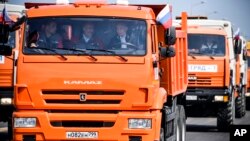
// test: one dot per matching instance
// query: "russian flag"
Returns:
(5, 16)
(165, 16)
(237, 34)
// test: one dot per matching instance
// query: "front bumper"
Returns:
(206, 95)
(46, 128)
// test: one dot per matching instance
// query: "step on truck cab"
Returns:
(105, 89)
(211, 71)
(7, 67)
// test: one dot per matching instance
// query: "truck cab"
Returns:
(72, 86)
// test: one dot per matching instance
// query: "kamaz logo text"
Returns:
(79, 82)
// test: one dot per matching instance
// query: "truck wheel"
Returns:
(225, 115)
(181, 123)
(240, 104)
(248, 103)
(10, 132)
(162, 136)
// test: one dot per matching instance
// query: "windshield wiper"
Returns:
(52, 50)
(83, 51)
(109, 51)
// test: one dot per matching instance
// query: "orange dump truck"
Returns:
(241, 77)
(248, 77)
(7, 67)
(211, 71)
(67, 90)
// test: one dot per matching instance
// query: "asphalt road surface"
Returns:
(198, 129)
(204, 129)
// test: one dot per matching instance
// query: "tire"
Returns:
(240, 104)
(248, 103)
(181, 122)
(177, 125)
(162, 135)
(226, 114)
(10, 130)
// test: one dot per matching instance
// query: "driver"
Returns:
(121, 39)
(87, 39)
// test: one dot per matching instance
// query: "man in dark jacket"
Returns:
(121, 40)
(87, 39)
(48, 38)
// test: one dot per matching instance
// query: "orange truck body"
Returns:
(48, 87)
(7, 69)
(248, 77)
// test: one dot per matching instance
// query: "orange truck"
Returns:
(241, 76)
(7, 68)
(84, 92)
(211, 71)
(248, 77)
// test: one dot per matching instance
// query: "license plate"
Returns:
(191, 97)
(83, 135)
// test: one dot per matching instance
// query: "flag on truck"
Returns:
(5, 16)
(165, 16)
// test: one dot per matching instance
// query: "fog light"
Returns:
(191, 97)
(225, 98)
(218, 98)
(6, 101)
(247, 94)
(24, 122)
(140, 123)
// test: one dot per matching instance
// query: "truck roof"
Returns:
(205, 30)
(92, 10)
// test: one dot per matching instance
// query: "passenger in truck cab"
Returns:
(124, 39)
(48, 37)
(209, 45)
(121, 39)
(87, 39)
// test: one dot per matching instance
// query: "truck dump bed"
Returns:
(174, 78)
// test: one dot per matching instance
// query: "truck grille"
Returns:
(215, 81)
(73, 97)
(201, 81)
(83, 124)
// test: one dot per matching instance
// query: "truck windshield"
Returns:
(206, 45)
(94, 35)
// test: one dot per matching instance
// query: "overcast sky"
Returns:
(236, 11)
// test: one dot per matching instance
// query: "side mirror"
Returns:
(167, 51)
(170, 36)
(237, 46)
(4, 33)
(244, 55)
(5, 50)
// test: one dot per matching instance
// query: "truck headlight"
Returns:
(6, 101)
(140, 123)
(24, 122)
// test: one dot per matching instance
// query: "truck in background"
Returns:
(211, 71)
(74, 93)
(241, 76)
(248, 77)
(8, 69)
